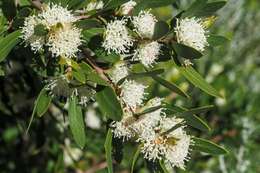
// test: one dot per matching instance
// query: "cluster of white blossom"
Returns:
(191, 32)
(152, 129)
(161, 137)
(144, 24)
(62, 38)
(149, 129)
(127, 7)
(147, 54)
(119, 40)
(117, 37)
(94, 5)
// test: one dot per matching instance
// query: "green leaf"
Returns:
(114, 3)
(216, 40)
(161, 29)
(210, 8)
(147, 4)
(92, 75)
(109, 104)
(146, 111)
(136, 155)
(195, 8)
(76, 122)
(197, 110)
(87, 34)
(7, 44)
(186, 51)
(108, 150)
(209, 147)
(170, 86)
(2, 72)
(191, 119)
(141, 75)
(88, 24)
(41, 105)
(79, 76)
(197, 80)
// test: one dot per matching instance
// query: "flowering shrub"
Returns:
(105, 54)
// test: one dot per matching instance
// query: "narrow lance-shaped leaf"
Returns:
(136, 155)
(186, 51)
(142, 74)
(109, 104)
(191, 119)
(76, 122)
(108, 150)
(41, 105)
(161, 29)
(210, 8)
(194, 8)
(7, 44)
(216, 40)
(149, 110)
(209, 147)
(196, 79)
(170, 86)
(114, 3)
(196, 110)
(145, 4)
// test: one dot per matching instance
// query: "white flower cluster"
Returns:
(132, 93)
(148, 53)
(144, 24)
(94, 5)
(118, 72)
(118, 39)
(191, 32)
(127, 7)
(151, 129)
(62, 37)
(172, 146)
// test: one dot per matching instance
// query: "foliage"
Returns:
(26, 90)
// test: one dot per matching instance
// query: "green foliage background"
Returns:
(233, 69)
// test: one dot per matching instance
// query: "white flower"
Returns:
(144, 24)
(94, 5)
(62, 39)
(172, 146)
(53, 14)
(119, 71)
(127, 7)
(148, 53)
(132, 94)
(36, 42)
(117, 38)
(121, 129)
(190, 32)
(65, 41)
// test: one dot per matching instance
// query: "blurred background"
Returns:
(232, 68)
